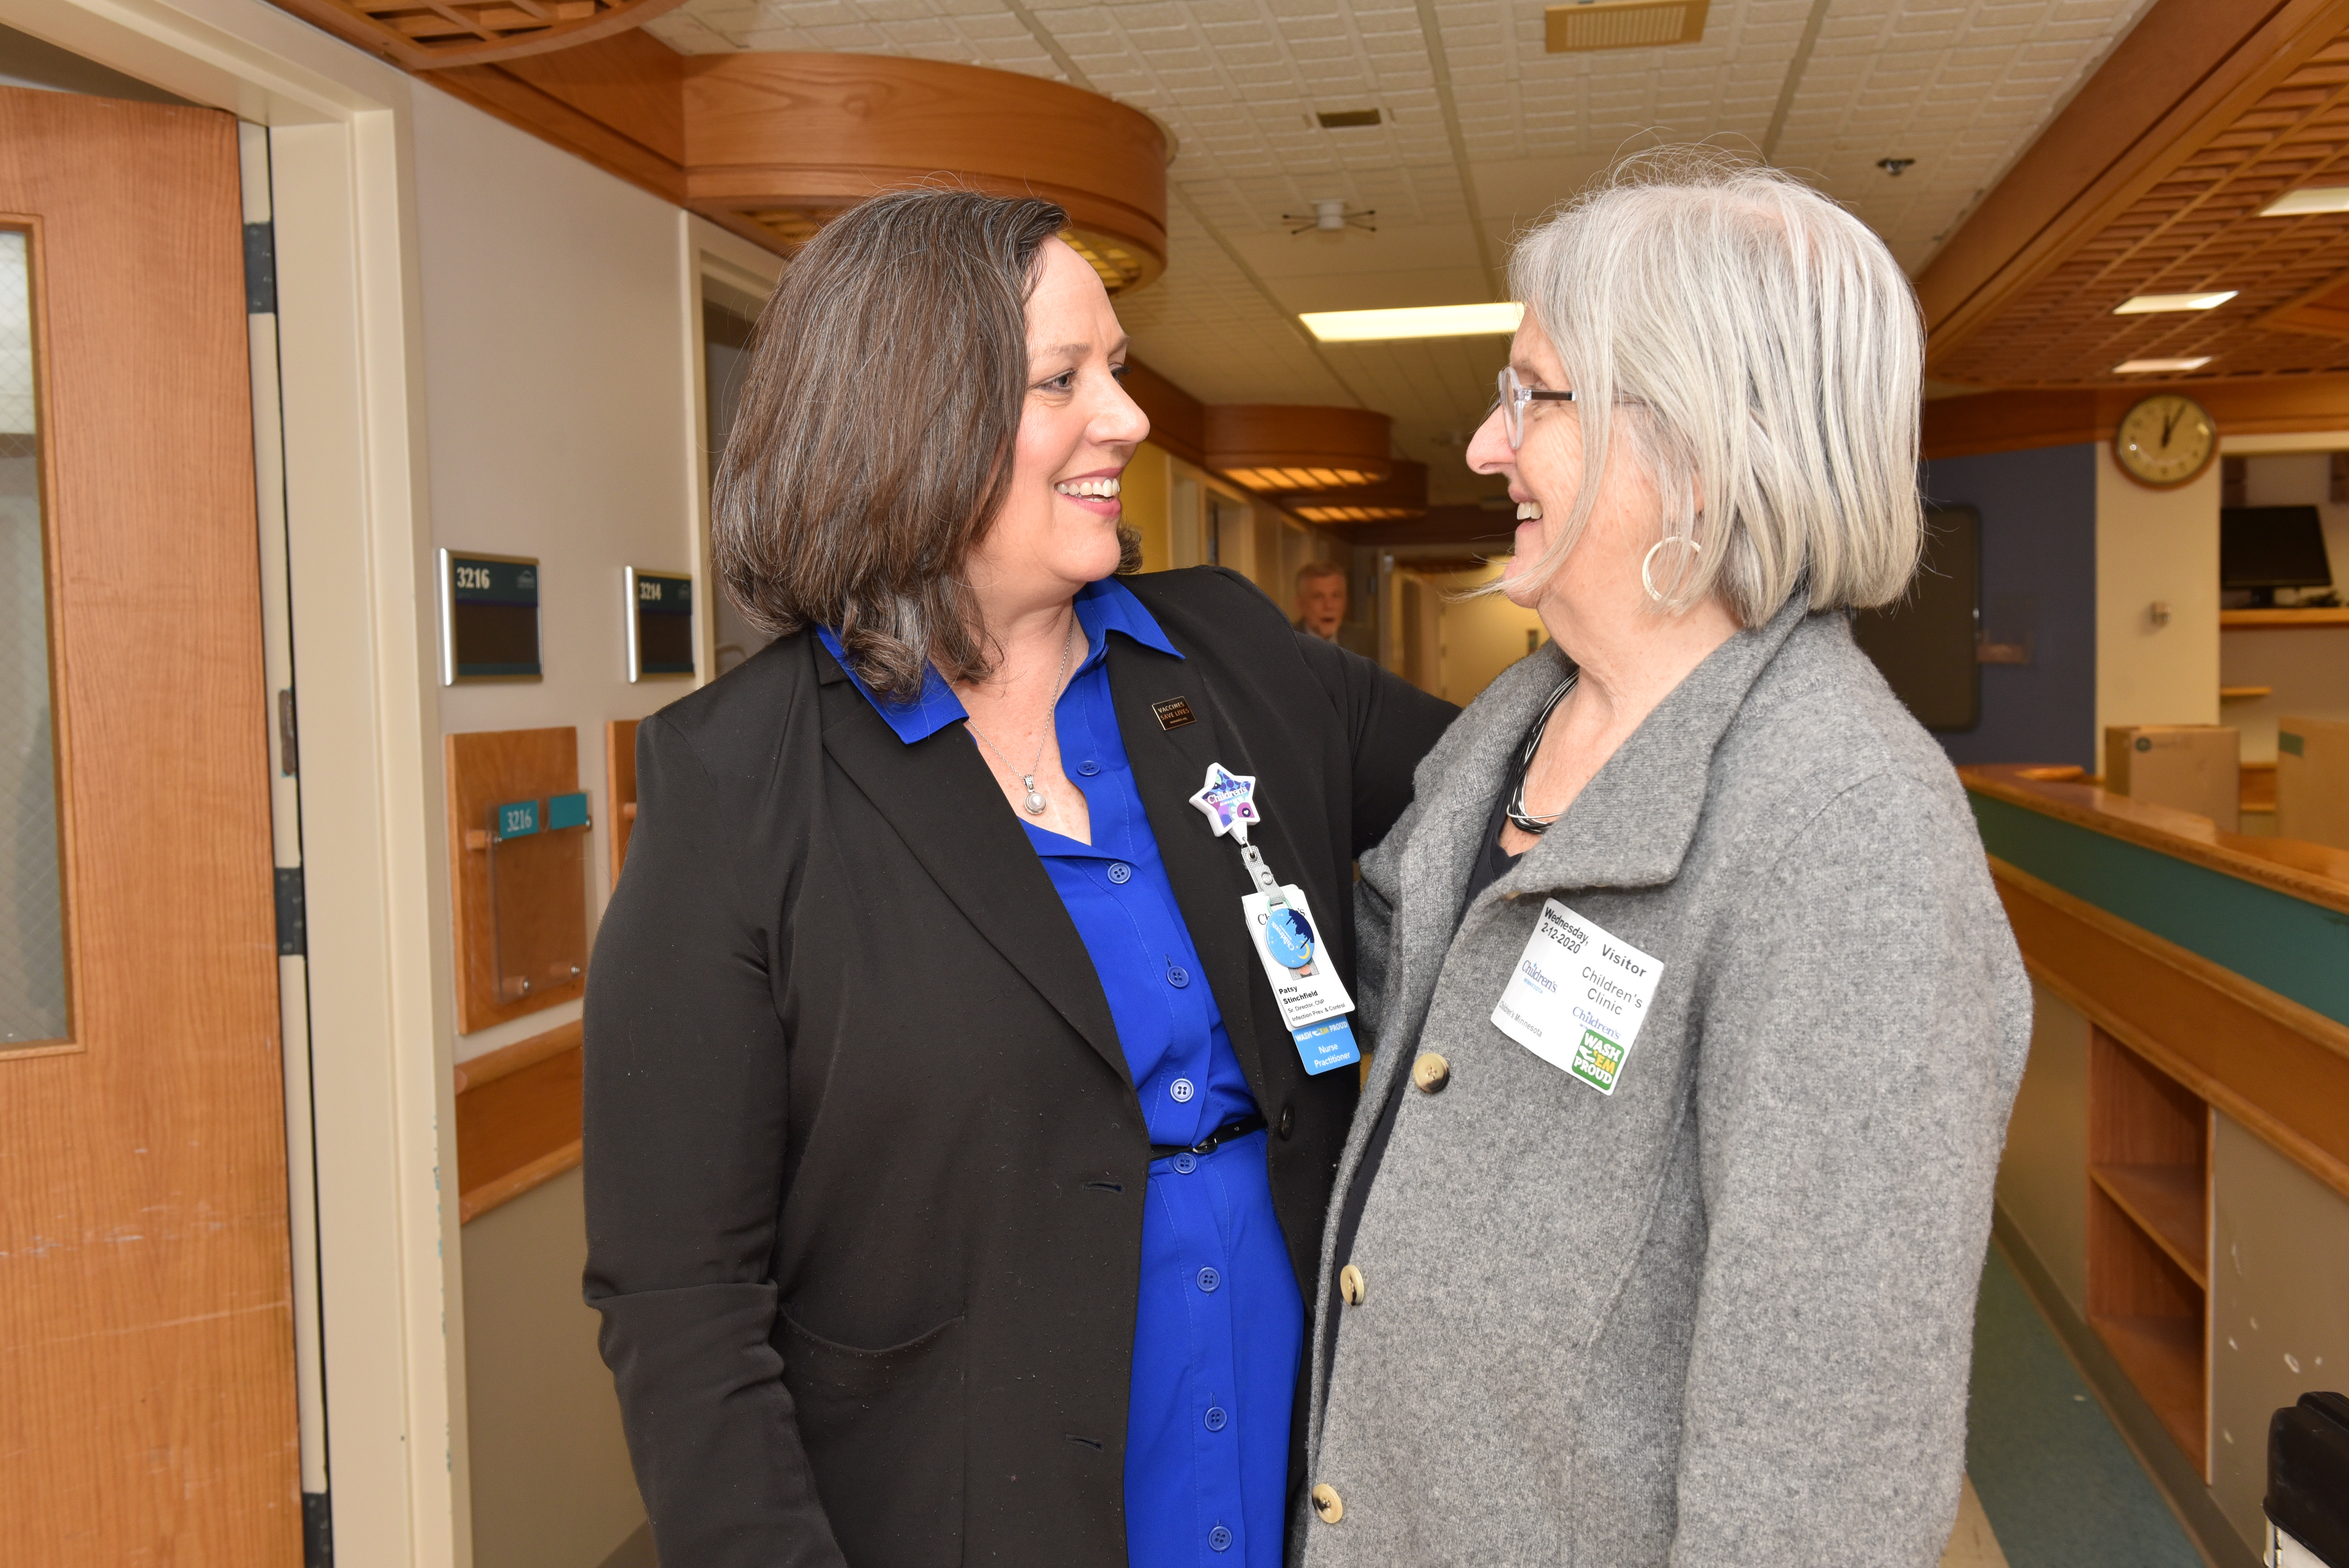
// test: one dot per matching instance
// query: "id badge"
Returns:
(1578, 996)
(1313, 1001)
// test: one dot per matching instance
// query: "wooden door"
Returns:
(147, 1409)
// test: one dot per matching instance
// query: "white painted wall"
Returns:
(560, 343)
(2279, 1306)
(1480, 637)
(560, 417)
(2156, 547)
(2307, 667)
(2043, 1176)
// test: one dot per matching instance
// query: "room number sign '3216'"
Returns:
(489, 617)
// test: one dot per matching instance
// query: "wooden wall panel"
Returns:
(486, 768)
(518, 1118)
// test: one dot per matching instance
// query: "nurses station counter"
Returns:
(2176, 1183)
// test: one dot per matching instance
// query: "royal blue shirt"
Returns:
(1219, 1324)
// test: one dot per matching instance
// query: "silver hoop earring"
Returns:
(1649, 560)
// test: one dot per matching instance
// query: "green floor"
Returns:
(2061, 1488)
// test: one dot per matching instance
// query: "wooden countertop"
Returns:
(2327, 616)
(2316, 872)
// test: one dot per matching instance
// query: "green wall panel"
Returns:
(2293, 947)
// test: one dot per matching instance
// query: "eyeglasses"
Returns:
(1515, 396)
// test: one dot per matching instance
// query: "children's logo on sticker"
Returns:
(1228, 800)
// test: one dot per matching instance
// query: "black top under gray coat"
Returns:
(864, 1169)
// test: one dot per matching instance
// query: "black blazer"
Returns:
(864, 1166)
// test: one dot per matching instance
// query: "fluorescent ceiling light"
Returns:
(2149, 304)
(2313, 199)
(2151, 367)
(1417, 321)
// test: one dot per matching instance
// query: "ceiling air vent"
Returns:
(1624, 25)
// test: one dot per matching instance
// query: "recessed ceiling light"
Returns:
(1497, 319)
(2150, 304)
(2311, 199)
(2155, 366)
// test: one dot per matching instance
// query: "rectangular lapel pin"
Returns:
(1173, 712)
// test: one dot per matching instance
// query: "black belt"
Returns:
(1239, 1127)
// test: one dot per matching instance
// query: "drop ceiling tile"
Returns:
(1963, 84)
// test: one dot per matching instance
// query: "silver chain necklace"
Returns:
(1034, 804)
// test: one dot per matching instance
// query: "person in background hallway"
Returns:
(1320, 599)
(1698, 1021)
(951, 1174)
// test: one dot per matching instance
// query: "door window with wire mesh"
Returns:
(32, 903)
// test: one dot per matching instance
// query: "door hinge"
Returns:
(259, 269)
(293, 924)
(318, 1531)
(288, 751)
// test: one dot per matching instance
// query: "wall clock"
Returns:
(2164, 440)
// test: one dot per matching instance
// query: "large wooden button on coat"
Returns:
(1349, 1285)
(1430, 1073)
(1328, 1506)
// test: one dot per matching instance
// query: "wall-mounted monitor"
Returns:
(489, 617)
(2264, 548)
(660, 622)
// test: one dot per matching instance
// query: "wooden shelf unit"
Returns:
(2150, 1235)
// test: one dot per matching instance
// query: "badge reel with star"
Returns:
(1313, 1000)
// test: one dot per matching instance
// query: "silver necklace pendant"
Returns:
(1034, 804)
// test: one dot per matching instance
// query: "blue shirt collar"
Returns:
(1104, 606)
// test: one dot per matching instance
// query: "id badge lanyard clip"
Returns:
(1312, 999)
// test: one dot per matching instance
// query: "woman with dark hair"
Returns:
(961, 1105)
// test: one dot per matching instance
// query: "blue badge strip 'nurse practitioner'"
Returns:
(1313, 1000)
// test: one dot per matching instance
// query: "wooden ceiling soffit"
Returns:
(777, 143)
(430, 34)
(1401, 494)
(1178, 421)
(2321, 312)
(1486, 531)
(2187, 73)
(1276, 447)
(2025, 417)
(2199, 229)
(618, 103)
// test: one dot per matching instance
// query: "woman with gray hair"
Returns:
(1697, 1019)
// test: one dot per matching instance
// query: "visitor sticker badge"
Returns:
(1578, 996)
(1313, 1000)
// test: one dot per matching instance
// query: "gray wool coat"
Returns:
(1724, 1315)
